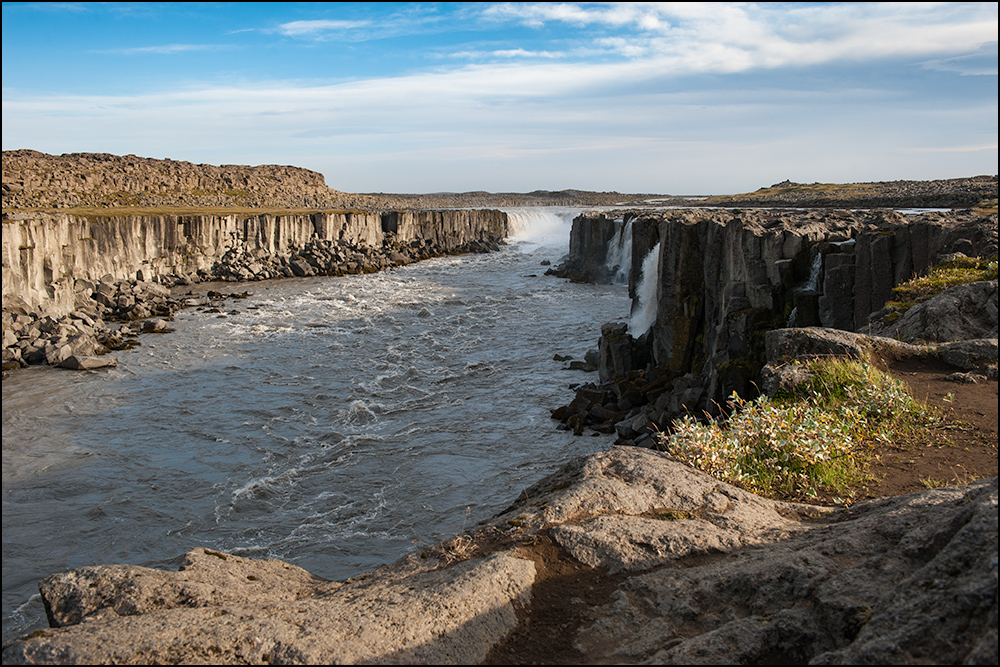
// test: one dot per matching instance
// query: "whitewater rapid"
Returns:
(333, 422)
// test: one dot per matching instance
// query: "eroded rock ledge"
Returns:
(707, 573)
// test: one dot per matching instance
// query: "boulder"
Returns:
(222, 608)
(783, 345)
(712, 574)
(155, 326)
(959, 313)
(76, 363)
(969, 354)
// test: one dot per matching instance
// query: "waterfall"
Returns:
(812, 283)
(646, 292)
(619, 255)
(538, 225)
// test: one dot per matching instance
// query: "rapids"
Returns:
(332, 422)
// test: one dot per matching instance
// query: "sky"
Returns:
(667, 98)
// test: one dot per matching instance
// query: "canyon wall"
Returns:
(725, 277)
(49, 257)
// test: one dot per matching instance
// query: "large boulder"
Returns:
(224, 609)
(960, 313)
(712, 574)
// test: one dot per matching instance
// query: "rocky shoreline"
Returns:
(58, 304)
(691, 570)
(81, 339)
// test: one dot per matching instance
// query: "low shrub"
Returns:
(819, 439)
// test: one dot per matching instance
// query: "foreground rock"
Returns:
(705, 572)
(228, 610)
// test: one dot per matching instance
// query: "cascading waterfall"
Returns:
(646, 292)
(619, 255)
(810, 288)
(539, 225)
(812, 283)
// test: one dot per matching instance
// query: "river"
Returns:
(333, 422)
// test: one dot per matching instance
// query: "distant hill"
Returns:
(948, 193)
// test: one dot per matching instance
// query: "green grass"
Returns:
(795, 446)
(943, 276)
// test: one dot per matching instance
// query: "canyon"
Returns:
(626, 555)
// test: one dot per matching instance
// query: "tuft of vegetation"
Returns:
(942, 276)
(796, 446)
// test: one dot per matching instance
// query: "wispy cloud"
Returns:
(981, 63)
(507, 53)
(320, 28)
(167, 49)
(723, 37)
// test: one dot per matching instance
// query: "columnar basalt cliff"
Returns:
(725, 277)
(47, 257)
(64, 275)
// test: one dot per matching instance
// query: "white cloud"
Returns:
(526, 116)
(730, 37)
(167, 49)
(318, 28)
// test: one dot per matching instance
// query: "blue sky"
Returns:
(674, 98)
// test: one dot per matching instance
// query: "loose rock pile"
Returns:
(32, 337)
(334, 258)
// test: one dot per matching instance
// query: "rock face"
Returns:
(704, 572)
(960, 313)
(64, 275)
(46, 256)
(726, 277)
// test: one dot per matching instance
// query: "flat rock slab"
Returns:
(76, 363)
(897, 581)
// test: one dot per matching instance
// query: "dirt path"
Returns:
(963, 450)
